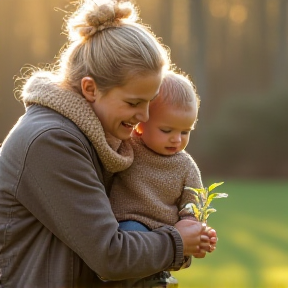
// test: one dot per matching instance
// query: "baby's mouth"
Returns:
(173, 149)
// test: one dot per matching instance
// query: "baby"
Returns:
(150, 193)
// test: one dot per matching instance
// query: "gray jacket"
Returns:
(57, 228)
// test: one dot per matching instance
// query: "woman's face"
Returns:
(122, 108)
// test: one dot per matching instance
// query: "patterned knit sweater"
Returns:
(157, 194)
(151, 189)
(42, 89)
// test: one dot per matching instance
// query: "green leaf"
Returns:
(202, 190)
(220, 195)
(190, 209)
(212, 196)
(197, 212)
(213, 186)
(209, 200)
(210, 210)
(193, 190)
(203, 197)
(206, 213)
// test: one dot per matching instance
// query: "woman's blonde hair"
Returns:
(108, 43)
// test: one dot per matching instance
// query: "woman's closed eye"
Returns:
(133, 104)
(165, 131)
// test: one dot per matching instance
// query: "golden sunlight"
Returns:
(180, 18)
(238, 13)
(218, 8)
(222, 276)
(40, 30)
(272, 8)
(276, 276)
(34, 26)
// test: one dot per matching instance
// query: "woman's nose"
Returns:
(143, 114)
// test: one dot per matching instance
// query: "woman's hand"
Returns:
(198, 239)
(195, 239)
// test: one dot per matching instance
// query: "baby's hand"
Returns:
(211, 233)
(208, 242)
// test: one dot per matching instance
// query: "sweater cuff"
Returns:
(179, 258)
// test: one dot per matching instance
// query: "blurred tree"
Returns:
(198, 46)
(280, 69)
(29, 37)
(235, 51)
(248, 138)
(157, 14)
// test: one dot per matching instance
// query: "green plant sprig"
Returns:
(201, 208)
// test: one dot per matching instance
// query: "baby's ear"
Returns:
(139, 129)
(89, 89)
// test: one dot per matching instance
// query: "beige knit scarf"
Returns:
(42, 90)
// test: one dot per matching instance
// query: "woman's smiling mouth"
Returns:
(128, 125)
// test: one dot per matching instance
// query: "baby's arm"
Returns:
(191, 178)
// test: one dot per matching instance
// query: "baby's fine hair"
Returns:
(176, 89)
(110, 44)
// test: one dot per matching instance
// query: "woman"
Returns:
(57, 228)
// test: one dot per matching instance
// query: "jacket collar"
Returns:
(42, 89)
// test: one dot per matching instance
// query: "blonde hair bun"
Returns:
(96, 15)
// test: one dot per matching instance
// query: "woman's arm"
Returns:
(61, 188)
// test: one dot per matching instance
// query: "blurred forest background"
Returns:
(235, 50)
(237, 54)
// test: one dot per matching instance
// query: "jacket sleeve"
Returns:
(60, 186)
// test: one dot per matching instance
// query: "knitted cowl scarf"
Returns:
(41, 89)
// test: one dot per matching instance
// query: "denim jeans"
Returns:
(130, 225)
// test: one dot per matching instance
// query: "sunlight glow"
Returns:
(238, 13)
(235, 276)
(276, 277)
(39, 29)
(272, 8)
(249, 243)
(218, 8)
(180, 28)
(33, 27)
(252, 247)
(21, 28)
(225, 276)
(39, 46)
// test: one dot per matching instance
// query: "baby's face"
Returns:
(168, 129)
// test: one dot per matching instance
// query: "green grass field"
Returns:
(252, 227)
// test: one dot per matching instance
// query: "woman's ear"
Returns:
(89, 89)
